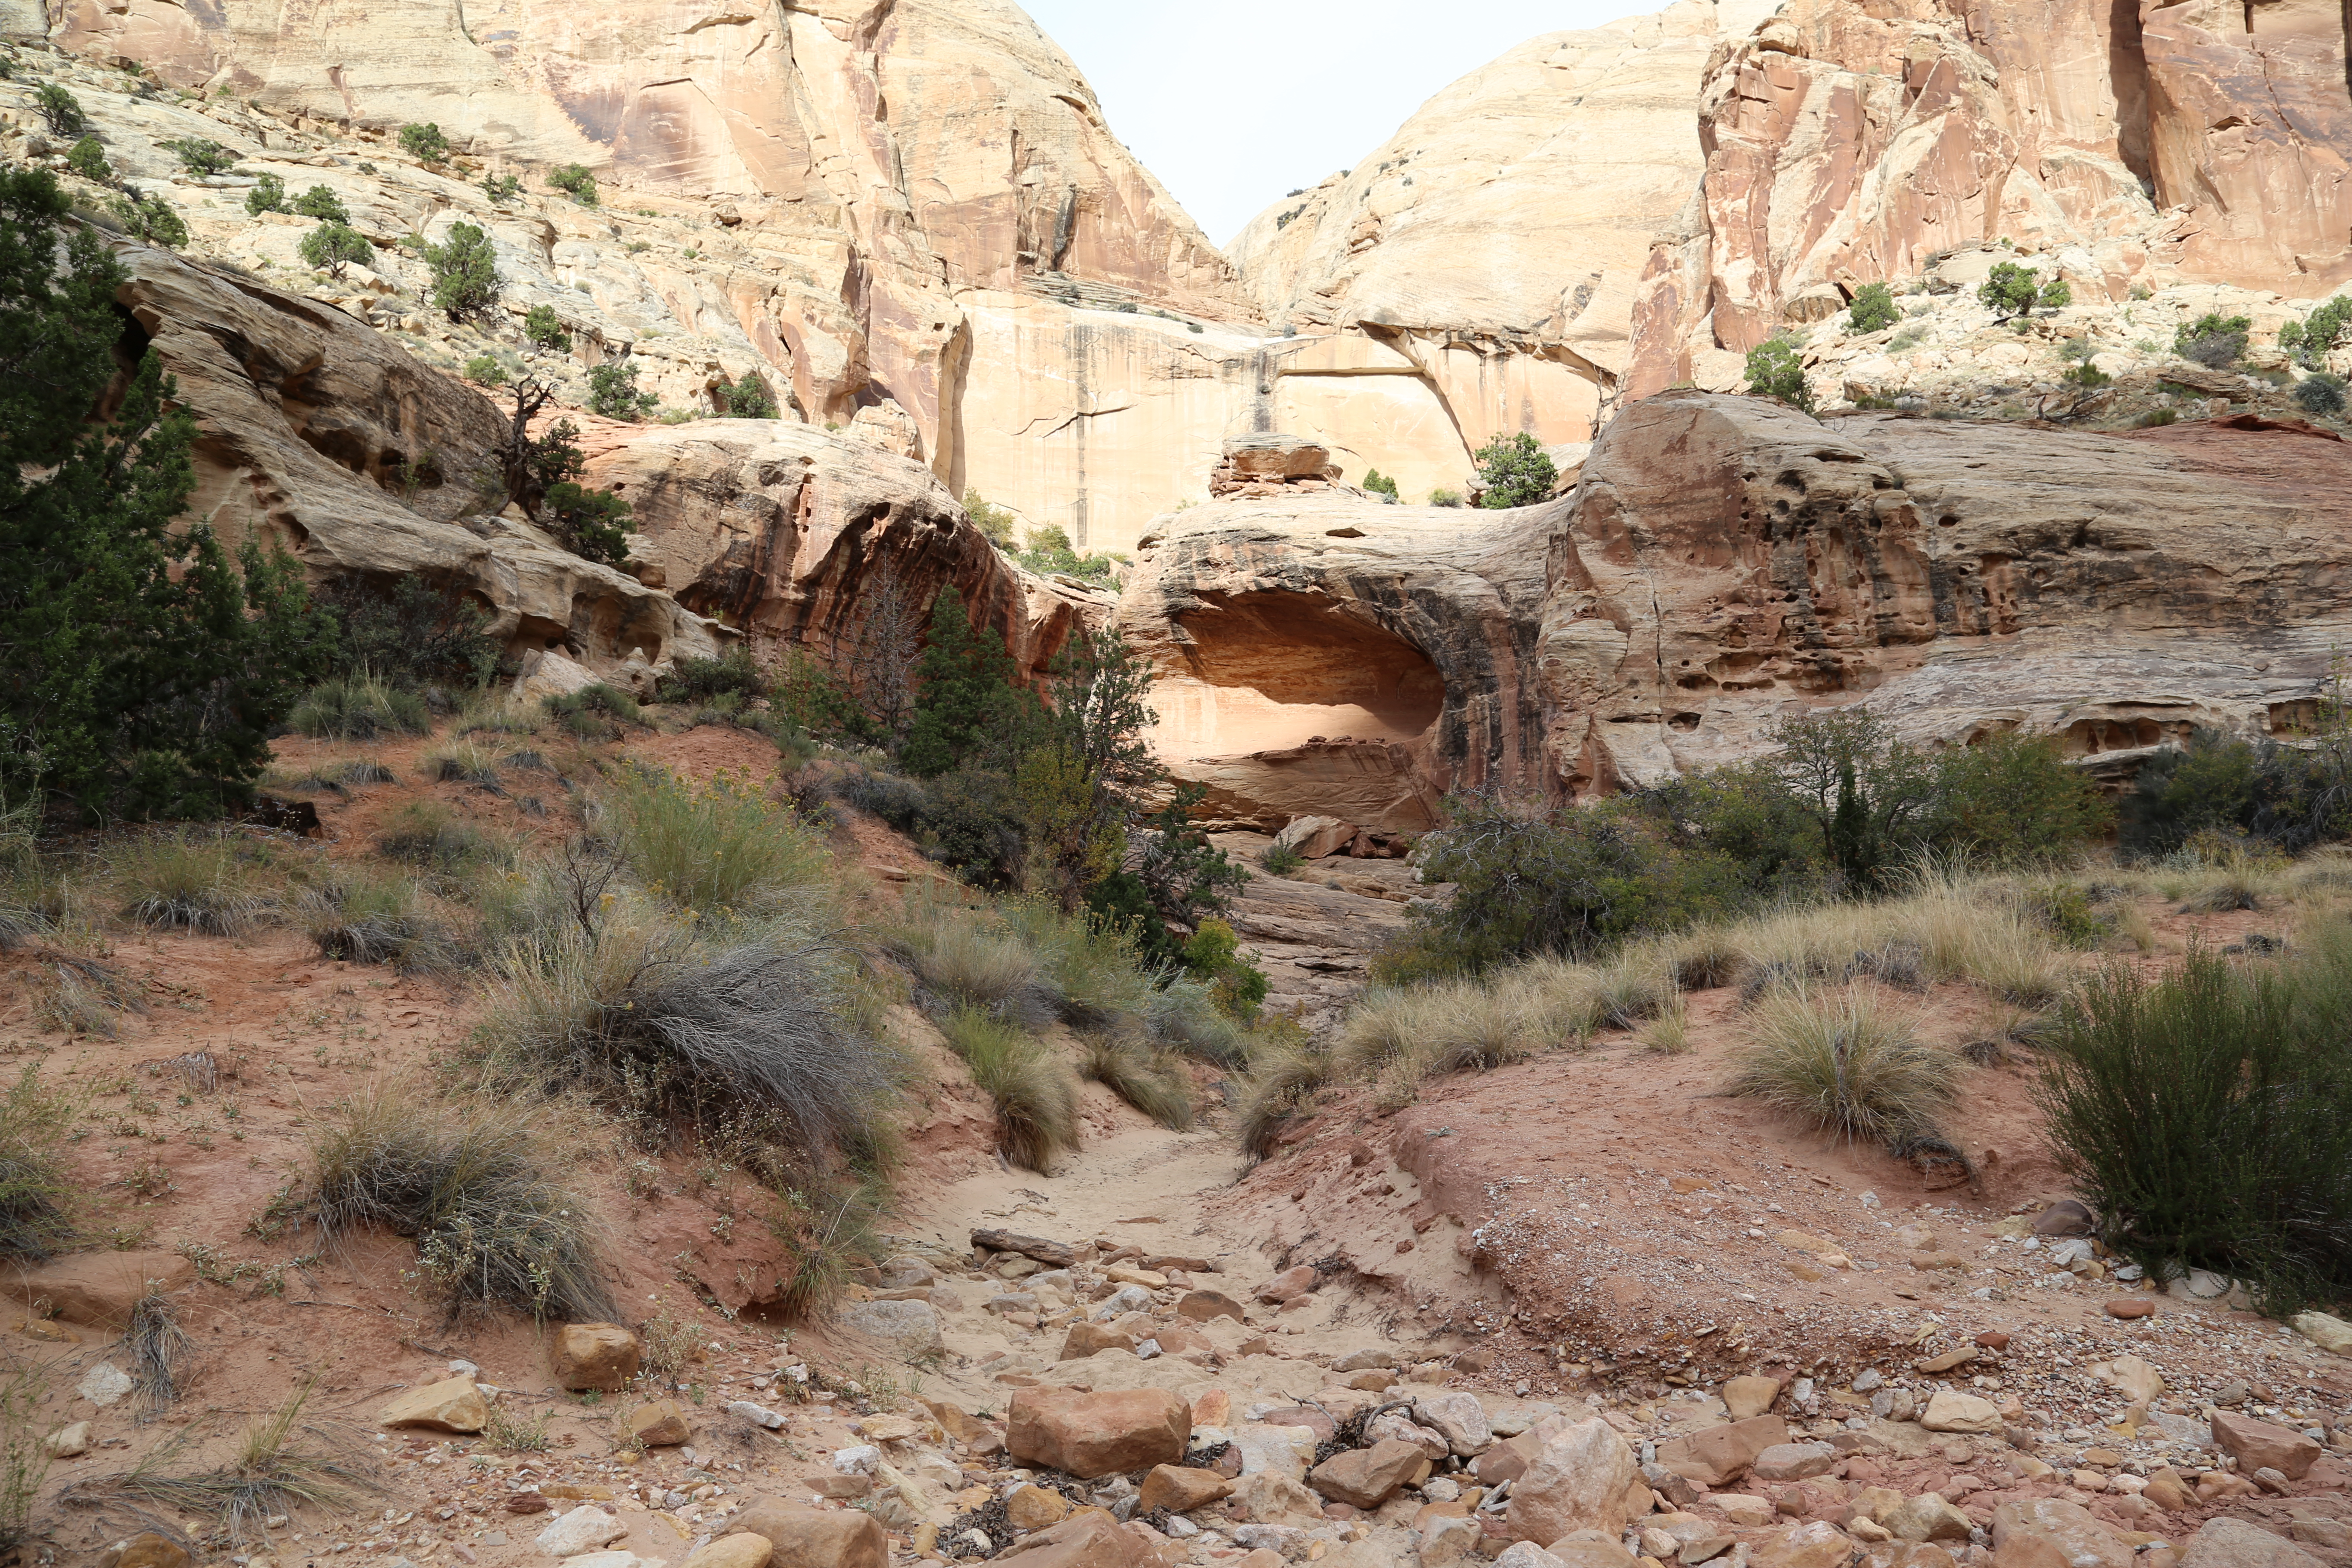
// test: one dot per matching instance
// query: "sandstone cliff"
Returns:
(1851, 141)
(1726, 560)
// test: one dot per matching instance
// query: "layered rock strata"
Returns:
(1726, 562)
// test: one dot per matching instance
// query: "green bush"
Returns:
(1513, 470)
(2321, 393)
(612, 391)
(466, 281)
(2010, 800)
(1380, 484)
(332, 247)
(409, 633)
(588, 712)
(746, 399)
(2087, 376)
(144, 669)
(321, 202)
(2213, 340)
(1874, 309)
(88, 159)
(2013, 292)
(2290, 797)
(1281, 860)
(993, 521)
(592, 524)
(1214, 955)
(425, 143)
(201, 156)
(574, 181)
(61, 110)
(1050, 551)
(2310, 339)
(2206, 1115)
(267, 195)
(719, 845)
(1442, 497)
(150, 220)
(545, 329)
(968, 696)
(485, 371)
(501, 188)
(693, 679)
(1776, 370)
(360, 707)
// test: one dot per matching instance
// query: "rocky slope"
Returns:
(1851, 141)
(1726, 560)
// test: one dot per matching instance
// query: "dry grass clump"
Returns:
(681, 1028)
(1036, 1097)
(1405, 1035)
(426, 833)
(494, 1225)
(497, 712)
(24, 1462)
(1846, 1060)
(360, 707)
(965, 960)
(282, 1464)
(1285, 1071)
(1144, 1078)
(156, 1345)
(461, 761)
(364, 918)
(722, 846)
(1667, 1033)
(186, 881)
(33, 1187)
(83, 996)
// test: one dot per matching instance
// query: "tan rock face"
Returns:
(1849, 141)
(1091, 1435)
(1583, 1478)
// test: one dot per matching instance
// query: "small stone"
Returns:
(858, 1459)
(1748, 1512)
(2228, 1542)
(1033, 1507)
(1948, 1362)
(757, 1414)
(1206, 1306)
(1288, 1286)
(2067, 1216)
(453, 1405)
(913, 1326)
(1367, 1478)
(584, 1529)
(593, 1355)
(1359, 1360)
(1951, 1411)
(104, 1384)
(2130, 1307)
(907, 1272)
(821, 1538)
(1993, 1340)
(1747, 1396)
(1181, 1490)
(2050, 1532)
(1372, 1379)
(1794, 1461)
(1814, 1544)
(1928, 1517)
(1459, 1418)
(67, 1442)
(660, 1424)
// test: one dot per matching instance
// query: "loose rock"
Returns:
(1094, 1434)
(1583, 1478)
(593, 1355)
(453, 1405)
(584, 1529)
(2258, 1445)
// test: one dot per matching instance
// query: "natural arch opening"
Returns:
(1265, 671)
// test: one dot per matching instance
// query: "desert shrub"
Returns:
(1443, 496)
(2320, 393)
(1281, 860)
(148, 219)
(466, 281)
(1407, 1036)
(1847, 1062)
(589, 712)
(1874, 309)
(2155, 417)
(2011, 800)
(1147, 1079)
(24, 1457)
(364, 918)
(426, 143)
(1749, 819)
(360, 707)
(574, 181)
(2213, 340)
(717, 845)
(544, 328)
(1214, 955)
(267, 195)
(61, 110)
(321, 202)
(501, 188)
(409, 632)
(185, 881)
(592, 524)
(2013, 292)
(2088, 377)
(2290, 797)
(461, 761)
(995, 522)
(201, 156)
(1034, 1095)
(968, 696)
(486, 371)
(477, 1190)
(1285, 1070)
(1513, 470)
(2310, 339)
(332, 247)
(88, 159)
(34, 1190)
(975, 965)
(1530, 880)
(612, 391)
(748, 398)
(428, 834)
(1379, 484)
(1050, 551)
(692, 679)
(1668, 1033)
(2205, 1114)
(1776, 369)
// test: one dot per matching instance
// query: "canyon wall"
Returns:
(1724, 563)
(2118, 145)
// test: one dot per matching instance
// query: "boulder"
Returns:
(1742, 1510)
(145, 1550)
(1033, 1507)
(1812, 1544)
(1367, 1478)
(1526, 1555)
(1088, 1539)
(1794, 1461)
(738, 1550)
(1908, 1555)
(659, 1425)
(1459, 1418)
(1314, 838)
(1205, 1306)
(1289, 1284)
(1283, 1449)
(906, 1272)
(911, 1326)
(1586, 1549)
(964, 1427)
(2333, 1335)
(1508, 1460)
(453, 1405)
(1180, 1488)
(805, 1537)
(1722, 1454)
(584, 1529)
(2050, 1533)
(593, 1355)
(1084, 1339)
(100, 1288)
(1583, 1478)
(2228, 1542)
(1746, 1397)
(1095, 1434)
(1928, 1517)
(1952, 1411)
(2260, 1446)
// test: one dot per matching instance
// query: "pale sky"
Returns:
(1234, 102)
